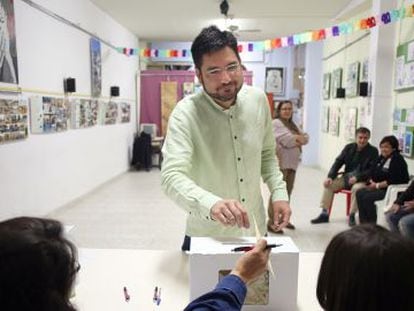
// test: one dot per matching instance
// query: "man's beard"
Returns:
(226, 97)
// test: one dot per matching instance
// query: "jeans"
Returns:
(402, 222)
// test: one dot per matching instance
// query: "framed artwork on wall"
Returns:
(276, 81)
(8, 51)
(336, 81)
(404, 67)
(334, 119)
(96, 70)
(351, 123)
(13, 120)
(325, 119)
(326, 85)
(352, 80)
(365, 70)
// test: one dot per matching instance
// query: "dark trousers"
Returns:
(366, 204)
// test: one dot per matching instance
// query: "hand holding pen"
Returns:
(253, 263)
(250, 247)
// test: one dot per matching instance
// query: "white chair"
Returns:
(391, 196)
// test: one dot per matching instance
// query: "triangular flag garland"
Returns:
(344, 28)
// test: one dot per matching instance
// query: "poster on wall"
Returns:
(352, 80)
(334, 118)
(365, 70)
(276, 81)
(84, 113)
(188, 88)
(96, 71)
(404, 67)
(8, 51)
(326, 85)
(325, 119)
(13, 120)
(351, 123)
(49, 114)
(169, 95)
(109, 113)
(125, 113)
(336, 81)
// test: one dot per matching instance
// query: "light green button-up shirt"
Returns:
(212, 154)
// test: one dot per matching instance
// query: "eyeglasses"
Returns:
(230, 69)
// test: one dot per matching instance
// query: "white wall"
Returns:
(45, 172)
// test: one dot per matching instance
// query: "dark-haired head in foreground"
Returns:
(37, 265)
(367, 268)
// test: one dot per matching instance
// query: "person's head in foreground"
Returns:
(38, 265)
(367, 268)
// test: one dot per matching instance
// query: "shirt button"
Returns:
(235, 137)
(231, 117)
(238, 159)
(241, 179)
(243, 200)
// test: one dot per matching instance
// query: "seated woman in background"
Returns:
(367, 268)
(390, 168)
(400, 216)
(289, 142)
(38, 265)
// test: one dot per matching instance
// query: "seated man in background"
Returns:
(38, 265)
(400, 216)
(230, 292)
(358, 158)
(367, 268)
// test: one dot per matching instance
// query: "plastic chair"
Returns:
(348, 200)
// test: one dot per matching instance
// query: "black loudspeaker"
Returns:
(363, 89)
(69, 85)
(114, 91)
(340, 92)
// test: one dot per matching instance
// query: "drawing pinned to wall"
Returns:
(352, 80)
(334, 119)
(84, 113)
(404, 67)
(8, 51)
(325, 119)
(188, 88)
(365, 70)
(110, 113)
(408, 144)
(326, 85)
(276, 81)
(48, 114)
(351, 123)
(96, 67)
(336, 81)
(125, 115)
(13, 120)
(362, 116)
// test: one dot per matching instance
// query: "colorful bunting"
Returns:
(296, 39)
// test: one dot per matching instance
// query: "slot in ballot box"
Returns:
(212, 258)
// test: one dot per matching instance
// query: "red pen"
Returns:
(126, 295)
(249, 248)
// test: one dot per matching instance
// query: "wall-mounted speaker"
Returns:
(340, 92)
(363, 89)
(114, 91)
(69, 85)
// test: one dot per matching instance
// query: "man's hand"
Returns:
(394, 208)
(281, 214)
(253, 263)
(230, 213)
(327, 182)
(372, 185)
(409, 206)
(352, 180)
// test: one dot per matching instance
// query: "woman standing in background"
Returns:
(289, 142)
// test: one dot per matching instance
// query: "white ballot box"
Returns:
(213, 258)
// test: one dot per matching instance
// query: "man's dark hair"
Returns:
(392, 140)
(37, 265)
(212, 39)
(363, 130)
(367, 268)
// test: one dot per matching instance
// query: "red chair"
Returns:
(348, 200)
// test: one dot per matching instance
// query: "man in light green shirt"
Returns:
(219, 145)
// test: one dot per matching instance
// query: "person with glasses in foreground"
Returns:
(38, 265)
(219, 144)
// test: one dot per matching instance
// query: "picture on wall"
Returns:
(13, 120)
(334, 119)
(188, 88)
(84, 113)
(352, 80)
(110, 113)
(336, 81)
(404, 67)
(49, 114)
(96, 70)
(8, 51)
(351, 123)
(276, 81)
(408, 144)
(125, 115)
(325, 119)
(365, 70)
(326, 85)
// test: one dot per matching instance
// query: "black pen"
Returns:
(249, 248)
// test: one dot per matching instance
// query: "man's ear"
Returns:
(198, 74)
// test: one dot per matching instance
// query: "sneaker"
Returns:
(351, 220)
(290, 226)
(320, 219)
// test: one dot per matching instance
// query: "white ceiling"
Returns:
(182, 20)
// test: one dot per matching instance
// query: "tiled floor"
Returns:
(132, 212)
